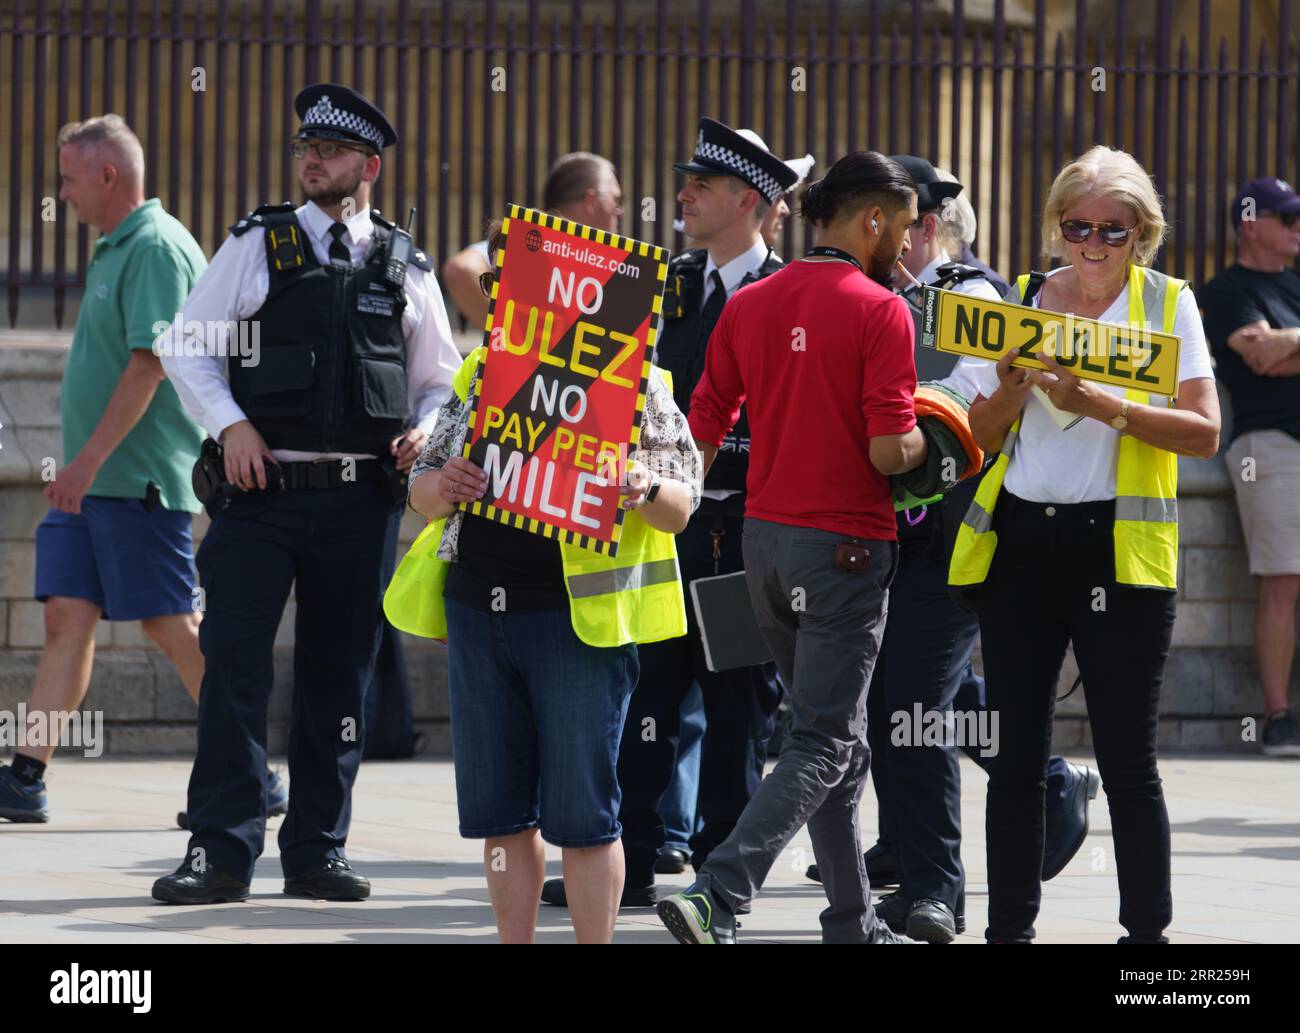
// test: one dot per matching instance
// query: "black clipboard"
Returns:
(729, 630)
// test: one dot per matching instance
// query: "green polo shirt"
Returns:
(138, 277)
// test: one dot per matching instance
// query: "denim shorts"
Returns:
(536, 720)
(133, 563)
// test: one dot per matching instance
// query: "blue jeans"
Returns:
(536, 720)
(677, 805)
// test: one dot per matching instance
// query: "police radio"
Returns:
(400, 247)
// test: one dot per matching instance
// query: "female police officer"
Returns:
(1073, 537)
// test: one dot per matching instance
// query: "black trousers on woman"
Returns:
(1052, 582)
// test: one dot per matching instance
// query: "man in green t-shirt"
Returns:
(116, 543)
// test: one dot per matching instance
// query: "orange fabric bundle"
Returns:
(936, 401)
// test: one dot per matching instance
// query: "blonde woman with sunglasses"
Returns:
(1073, 539)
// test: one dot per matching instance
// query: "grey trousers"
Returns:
(824, 626)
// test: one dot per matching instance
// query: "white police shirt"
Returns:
(744, 264)
(234, 286)
(1079, 464)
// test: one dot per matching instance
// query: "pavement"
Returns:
(85, 876)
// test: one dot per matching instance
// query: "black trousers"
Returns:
(1052, 582)
(923, 660)
(390, 723)
(327, 547)
(739, 710)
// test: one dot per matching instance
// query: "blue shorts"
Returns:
(536, 720)
(131, 562)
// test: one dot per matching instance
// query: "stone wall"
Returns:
(1210, 682)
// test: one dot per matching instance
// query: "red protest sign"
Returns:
(556, 406)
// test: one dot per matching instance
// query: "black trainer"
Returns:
(633, 896)
(1281, 737)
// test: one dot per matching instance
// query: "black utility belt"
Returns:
(326, 474)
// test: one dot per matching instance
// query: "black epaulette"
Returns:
(418, 257)
(257, 217)
(683, 268)
(951, 273)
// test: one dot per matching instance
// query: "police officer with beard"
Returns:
(316, 429)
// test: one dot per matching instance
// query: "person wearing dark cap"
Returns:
(730, 183)
(1252, 320)
(353, 357)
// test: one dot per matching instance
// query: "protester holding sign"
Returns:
(821, 353)
(542, 621)
(1073, 538)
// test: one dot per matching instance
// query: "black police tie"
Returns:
(716, 299)
(338, 250)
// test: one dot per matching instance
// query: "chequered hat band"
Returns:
(323, 114)
(767, 183)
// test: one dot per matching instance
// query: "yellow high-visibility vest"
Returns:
(1146, 503)
(634, 597)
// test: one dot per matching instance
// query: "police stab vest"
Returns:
(635, 596)
(681, 350)
(331, 375)
(1146, 503)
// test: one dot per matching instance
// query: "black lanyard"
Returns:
(821, 251)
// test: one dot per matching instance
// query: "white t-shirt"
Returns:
(1078, 465)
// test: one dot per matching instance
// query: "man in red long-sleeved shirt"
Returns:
(821, 354)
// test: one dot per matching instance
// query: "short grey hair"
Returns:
(957, 224)
(111, 133)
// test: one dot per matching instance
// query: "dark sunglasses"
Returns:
(1077, 231)
(1289, 220)
(326, 149)
(485, 283)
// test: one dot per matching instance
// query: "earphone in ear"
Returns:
(874, 227)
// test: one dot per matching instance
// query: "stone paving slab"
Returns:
(85, 877)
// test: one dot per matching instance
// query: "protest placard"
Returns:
(557, 404)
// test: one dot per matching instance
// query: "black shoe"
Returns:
(882, 869)
(932, 921)
(209, 886)
(896, 912)
(697, 916)
(1067, 820)
(334, 880)
(671, 861)
(892, 910)
(633, 896)
(277, 799)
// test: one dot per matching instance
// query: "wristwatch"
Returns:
(653, 490)
(1121, 421)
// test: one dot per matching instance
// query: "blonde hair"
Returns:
(111, 134)
(957, 225)
(1114, 174)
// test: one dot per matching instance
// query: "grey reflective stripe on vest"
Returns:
(1009, 443)
(1147, 509)
(622, 579)
(977, 518)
